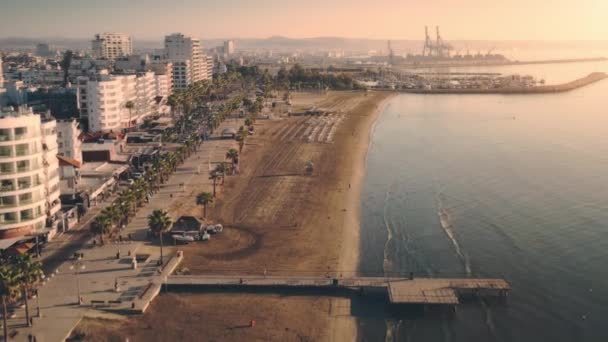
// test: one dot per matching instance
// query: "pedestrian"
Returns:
(349, 185)
(252, 323)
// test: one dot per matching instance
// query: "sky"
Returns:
(377, 19)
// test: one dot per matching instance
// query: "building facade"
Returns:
(229, 48)
(112, 103)
(68, 139)
(44, 50)
(29, 178)
(189, 61)
(111, 45)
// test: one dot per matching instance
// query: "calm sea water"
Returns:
(495, 186)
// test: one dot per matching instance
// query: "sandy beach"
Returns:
(277, 221)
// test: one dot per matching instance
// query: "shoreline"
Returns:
(351, 232)
(281, 222)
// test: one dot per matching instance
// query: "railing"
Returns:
(7, 205)
(22, 152)
(25, 185)
(21, 136)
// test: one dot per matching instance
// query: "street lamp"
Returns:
(77, 266)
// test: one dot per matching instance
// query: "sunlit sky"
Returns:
(382, 19)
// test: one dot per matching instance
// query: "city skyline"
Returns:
(386, 19)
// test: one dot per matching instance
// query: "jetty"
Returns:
(545, 89)
(399, 291)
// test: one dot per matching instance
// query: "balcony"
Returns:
(6, 168)
(8, 202)
(24, 185)
(20, 152)
(7, 188)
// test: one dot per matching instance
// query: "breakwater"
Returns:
(558, 88)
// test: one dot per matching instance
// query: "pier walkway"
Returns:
(438, 291)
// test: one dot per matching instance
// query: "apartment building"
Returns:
(112, 103)
(111, 45)
(29, 179)
(189, 61)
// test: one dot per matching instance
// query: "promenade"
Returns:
(99, 278)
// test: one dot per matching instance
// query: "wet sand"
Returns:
(279, 221)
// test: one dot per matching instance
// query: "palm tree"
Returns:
(101, 226)
(241, 135)
(129, 105)
(203, 199)
(9, 289)
(112, 213)
(159, 222)
(30, 273)
(221, 168)
(232, 155)
(214, 176)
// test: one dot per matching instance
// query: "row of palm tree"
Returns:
(18, 278)
(120, 212)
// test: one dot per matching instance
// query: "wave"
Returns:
(446, 225)
(489, 321)
(387, 264)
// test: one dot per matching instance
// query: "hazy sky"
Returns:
(385, 19)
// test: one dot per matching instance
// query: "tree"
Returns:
(241, 135)
(159, 222)
(203, 199)
(9, 290)
(65, 64)
(30, 273)
(232, 155)
(129, 105)
(221, 169)
(214, 177)
(101, 226)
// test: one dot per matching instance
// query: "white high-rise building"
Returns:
(111, 45)
(189, 61)
(116, 102)
(210, 66)
(229, 47)
(29, 177)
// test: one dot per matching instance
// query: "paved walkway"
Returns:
(59, 294)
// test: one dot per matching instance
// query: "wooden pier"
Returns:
(431, 291)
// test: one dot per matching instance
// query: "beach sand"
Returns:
(279, 221)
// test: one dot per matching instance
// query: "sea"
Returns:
(495, 186)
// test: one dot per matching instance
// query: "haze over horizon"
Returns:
(382, 19)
